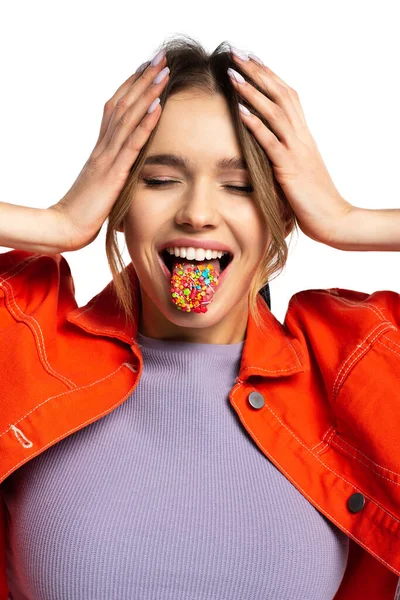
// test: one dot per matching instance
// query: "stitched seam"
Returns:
(388, 347)
(385, 337)
(341, 377)
(23, 264)
(356, 449)
(323, 442)
(40, 345)
(365, 462)
(270, 370)
(375, 309)
(88, 308)
(76, 428)
(316, 456)
(305, 493)
(83, 387)
(327, 444)
(294, 350)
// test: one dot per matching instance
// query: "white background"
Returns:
(62, 61)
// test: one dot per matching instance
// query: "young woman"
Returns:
(172, 439)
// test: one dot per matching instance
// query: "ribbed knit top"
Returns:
(167, 498)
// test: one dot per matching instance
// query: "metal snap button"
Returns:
(356, 502)
(256, 400)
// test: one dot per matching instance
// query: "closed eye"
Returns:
(155, 182)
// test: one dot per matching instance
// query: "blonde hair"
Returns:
(191, 67)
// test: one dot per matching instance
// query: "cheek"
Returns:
(250, 219)
(260, 229)
(135, 231)
(141, 224)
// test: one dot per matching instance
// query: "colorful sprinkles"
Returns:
(191, 289)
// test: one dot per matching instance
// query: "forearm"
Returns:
(32, 229)
(368, 229)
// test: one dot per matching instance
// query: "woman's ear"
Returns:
(120, 227)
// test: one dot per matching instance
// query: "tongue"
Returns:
(194, 283)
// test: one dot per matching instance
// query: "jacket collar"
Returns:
(276, 354)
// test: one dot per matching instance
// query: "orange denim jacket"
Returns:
(318, 395)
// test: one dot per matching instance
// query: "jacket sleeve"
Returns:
(354, 339)
(25, 283)
(26, 279)
(12, 265)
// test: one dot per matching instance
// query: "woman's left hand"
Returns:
(296, 161)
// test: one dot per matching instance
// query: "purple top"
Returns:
(167, 498)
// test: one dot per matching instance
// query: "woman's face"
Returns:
(198, 206)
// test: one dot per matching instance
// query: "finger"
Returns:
(122, 111)
(268, 70)
(267, 139)
(293, 94)
(273, 113)
(130, 119)
(134, 91)
(279, 93)
(273, 84)
(134, 143)
(121, 92)
(110, 104)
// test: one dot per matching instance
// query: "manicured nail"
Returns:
(162, 74)
(158, 58)
(237, 76)
(142, 66)
(244, 110)
(239, 53)
(153, 105)
(254, 57)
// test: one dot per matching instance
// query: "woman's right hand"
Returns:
(125, 129)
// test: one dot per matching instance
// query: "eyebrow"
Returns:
(175, 160)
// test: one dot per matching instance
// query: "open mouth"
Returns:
(169, 259)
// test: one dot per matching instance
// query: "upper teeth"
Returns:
(196, 254)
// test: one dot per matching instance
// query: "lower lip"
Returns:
(168, 274)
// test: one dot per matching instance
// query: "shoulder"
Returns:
(353, 342)
(340, 309)
(19, 269)
(337, 328)
(33, 285)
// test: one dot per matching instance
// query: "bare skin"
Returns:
(199, 205)
(75, 221)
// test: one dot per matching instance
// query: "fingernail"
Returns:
(153, 105)
(162, 74)
(142, 66)
(237, 76)
(158, 58)
(239, 53)
(254, 57)
(244, 110)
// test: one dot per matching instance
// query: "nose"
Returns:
(199, 207)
